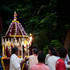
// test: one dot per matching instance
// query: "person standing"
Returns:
(60, 64)
(33, 58)
(51, 61)
(15, 61)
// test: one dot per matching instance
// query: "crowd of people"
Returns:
(57, 60)
(54, 60)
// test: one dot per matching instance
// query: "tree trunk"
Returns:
(67, 40)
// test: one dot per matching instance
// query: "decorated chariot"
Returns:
(15, 36)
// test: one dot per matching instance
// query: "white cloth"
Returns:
(66, 61)
(52, 62)
(33, 60)
(46, 58)
(15, 62)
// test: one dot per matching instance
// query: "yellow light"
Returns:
(30, 34)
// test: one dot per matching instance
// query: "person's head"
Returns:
(40, 51)
(34, 51)
(52, 51)
(62, 52)
(15, 50)
(41, 57)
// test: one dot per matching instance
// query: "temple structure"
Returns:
(15, 36)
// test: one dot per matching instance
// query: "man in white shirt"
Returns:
(15, 60)
(51, 61)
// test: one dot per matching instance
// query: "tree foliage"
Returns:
(38, 17)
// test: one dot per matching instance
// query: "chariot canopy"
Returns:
(15, 36)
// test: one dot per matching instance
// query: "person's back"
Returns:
(60, 65)
(33, 58)
(15, 63)
(52, 62)
(40, 66)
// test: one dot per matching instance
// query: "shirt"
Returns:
(46, 58)
(60, 65)
(33, 60)
(40, 66)
(52, 62)
(15, 62)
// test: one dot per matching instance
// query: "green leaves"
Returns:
(37, 17)
(56, 43)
